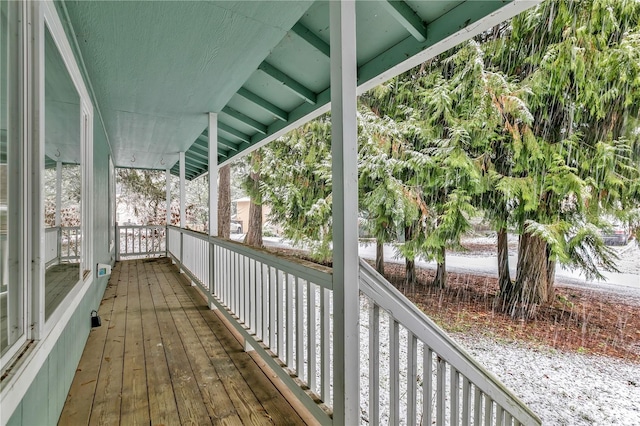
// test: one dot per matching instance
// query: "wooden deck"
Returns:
(162, 357)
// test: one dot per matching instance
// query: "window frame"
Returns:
(48, 20)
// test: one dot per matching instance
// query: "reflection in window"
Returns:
(11, 288)
(62, 179)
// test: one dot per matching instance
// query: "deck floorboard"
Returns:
(162, 357)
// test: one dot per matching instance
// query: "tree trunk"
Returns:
(551, 276)
(504, 276)
(440, 279)
(254, 229)
(531, 287)
(410, 264)
(224, 202)
(380, 257)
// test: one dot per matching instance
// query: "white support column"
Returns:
(213, 174)
(167, 185)
(183, 215)
(213, 200)
(344, 151)
(58, 218)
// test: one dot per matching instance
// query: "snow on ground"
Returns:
(563, 388)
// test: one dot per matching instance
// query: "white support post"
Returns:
(213, 199)
(344, 151)
(167, 188)
(168, 194)
(213, 174)
(183, 215)
(58, 218)
(58, 214)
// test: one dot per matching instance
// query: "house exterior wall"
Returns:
(45, 398)
(46, 394)
(242, 212)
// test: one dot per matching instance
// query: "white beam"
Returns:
(344, 151)
(168, 194)
(213, 174)
(58, 218)
(183, 214)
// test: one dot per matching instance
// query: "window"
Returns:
(12, 295)
(63, 176)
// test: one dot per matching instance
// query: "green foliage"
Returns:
(295, 180)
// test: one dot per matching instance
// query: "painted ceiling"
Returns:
(157, 68)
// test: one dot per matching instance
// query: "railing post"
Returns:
(181, 251)
(59, 244)
(117, 237)
(213, 199)
(344, 150)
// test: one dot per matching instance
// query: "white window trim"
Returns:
(39, 14)
(21, 130)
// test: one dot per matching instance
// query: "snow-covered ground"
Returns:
(563, 388)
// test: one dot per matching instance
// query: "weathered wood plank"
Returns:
(162, 403)
(135, 400)
(188, 398)
(107, 400)
(214, 396)
(77, 408)
(236, 368)
(163, 358)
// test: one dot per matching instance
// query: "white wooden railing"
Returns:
(282, 308)
(411, 372)
(62, 244)
(427, 378)
(52, 245)
(140, 241)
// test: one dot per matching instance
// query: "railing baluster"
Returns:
(281, 309)
(441, 372)
(289, 321)
(325, 335)
(455, 394)
(427, 385)
(488, 410)
(412, 378)
(499, 415)
(466, 412)
(311, 337)
(508, 418)
(273, 305)
(477, 406)
(300, 329)
(394, 371)
(257, 294)
(374, 364)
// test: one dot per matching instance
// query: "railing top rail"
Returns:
(390, 299)
(310, 271)
(318, 274)
(141, 226)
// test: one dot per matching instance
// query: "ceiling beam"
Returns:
(234, 132)
(307, 35)
(298, 89)
(407, 17)
(228, 144)
(256, 125)
(278, 113)
(196, 154)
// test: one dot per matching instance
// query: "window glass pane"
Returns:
(11, 285)
(62, 179)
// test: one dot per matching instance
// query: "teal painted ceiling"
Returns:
(157, 68)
